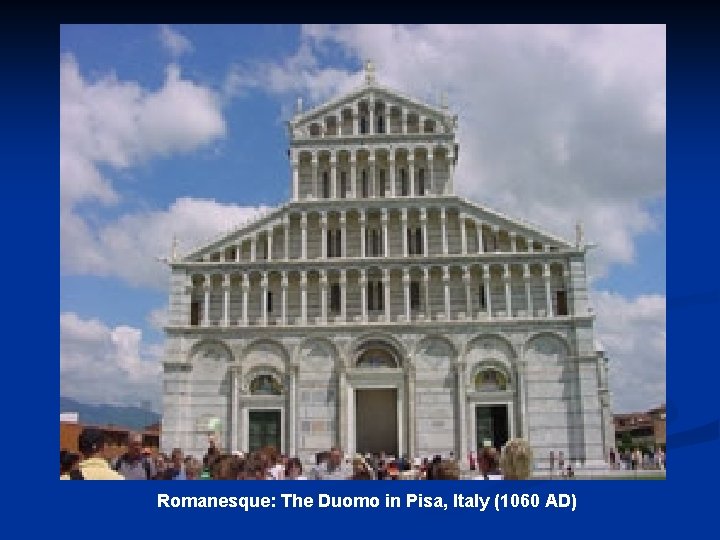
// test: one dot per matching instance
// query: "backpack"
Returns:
(146, 465)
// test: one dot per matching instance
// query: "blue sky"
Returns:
(179, 130)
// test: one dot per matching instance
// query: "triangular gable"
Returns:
(226, 238)
(513, 224)
(437, 113)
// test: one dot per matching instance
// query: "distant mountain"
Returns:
(132, 417)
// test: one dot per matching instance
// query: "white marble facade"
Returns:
(376, 276)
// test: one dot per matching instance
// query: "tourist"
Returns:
(133, 464)
(176, 469)
(516, 461)
(193, 469)
(334, 468)
(69, 466)
(447, 469)
(94, 466)
(489, 465)
(293, 470)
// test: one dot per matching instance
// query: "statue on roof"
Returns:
(369, 72)
(579, 235)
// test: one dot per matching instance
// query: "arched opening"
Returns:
(377, 357)
(265, 385)
(490, 380)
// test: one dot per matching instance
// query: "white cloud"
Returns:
(174, 42)
(158, 318)
(120, 124)
(632, 331)
(100, 364)
(113, 124)
(557, 123)
(129, 247)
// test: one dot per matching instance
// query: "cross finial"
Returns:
(173, 251)
(369, 72)
(299, 105)
(579, 235)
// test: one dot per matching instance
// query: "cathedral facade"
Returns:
(378, 311)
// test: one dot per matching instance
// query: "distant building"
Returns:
(641, 429)
(116, 437)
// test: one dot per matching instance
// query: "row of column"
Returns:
(372, 120)
(485, 283)
(372, 176)
(464, 247)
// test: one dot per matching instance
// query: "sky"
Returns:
(179, 130)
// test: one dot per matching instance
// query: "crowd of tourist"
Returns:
(513, 462)
(637, 459)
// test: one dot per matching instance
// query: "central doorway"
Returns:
(492, 425)
(264, 430)
(376, 425)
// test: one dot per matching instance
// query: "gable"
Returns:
(301, 123)
(495, 218)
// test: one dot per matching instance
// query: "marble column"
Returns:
(463, 233)
(343, 234)
(235, 378)
(343, 295)
(423, 222)
(468, 291)
(284, 285)
(264, 302)
(412, 431)
(478, 232)
(206, 302)
(323, 235)
(404, 220)
(430, 188)
(508, 291)
(286, 237)
(303, 234)
(303, 297)
(406, 287)
(446, 283)
(245, 294)
(362, 219)
(363, 295)
(528, 289)
(461, 409)
(391, 171)
(426, 287)
(323, 296)
(486, 284)
(411, 171)
(386, 292)
(296, 180)
(443, 230)
(226, 300)
(384, 221)
(548, 290)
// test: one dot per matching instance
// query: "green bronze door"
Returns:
(264, 430)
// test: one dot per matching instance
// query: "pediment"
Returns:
(301, 123)
(499, 220)
(230, 239)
